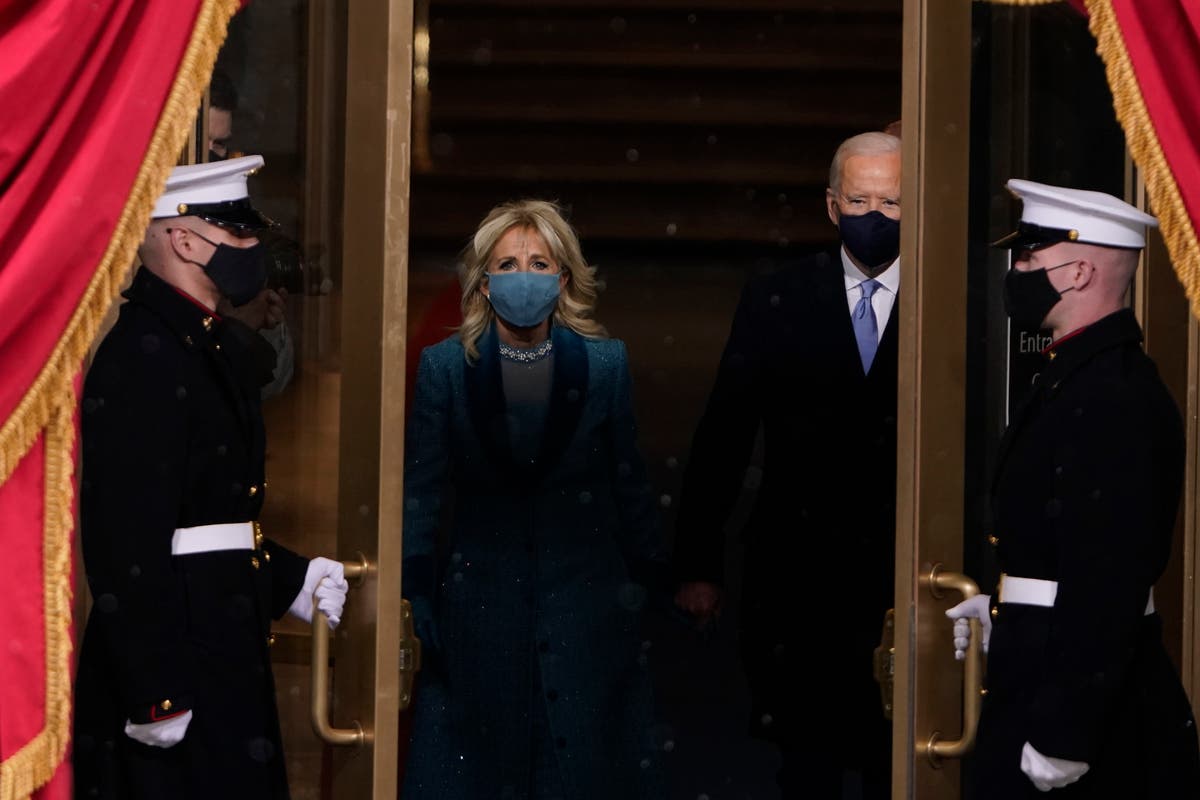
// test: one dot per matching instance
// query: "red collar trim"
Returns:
(216, 317)
(1058, 342)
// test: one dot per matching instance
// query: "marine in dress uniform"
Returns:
(174, 696)
(1082, 698)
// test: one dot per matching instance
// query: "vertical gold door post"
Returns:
(375, 285)
(932, 367)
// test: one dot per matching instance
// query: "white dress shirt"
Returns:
(884, 297)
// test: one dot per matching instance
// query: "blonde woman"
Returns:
(534, 685)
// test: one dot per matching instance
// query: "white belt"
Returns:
(207, 538)
(1037, 592)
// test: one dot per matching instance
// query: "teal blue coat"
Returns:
(538, 586)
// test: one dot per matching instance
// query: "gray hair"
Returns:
(872, 143)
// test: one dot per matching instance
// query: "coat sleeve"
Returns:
(641, 542)
(287, 576)
(426, 466)
(721, 450)
(134, 444)
(1119, 468)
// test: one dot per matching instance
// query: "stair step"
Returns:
(829, 6)
(855, 101)
(656, 38)
(447, 209)
(610, 153)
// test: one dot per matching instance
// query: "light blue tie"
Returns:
(866, 327)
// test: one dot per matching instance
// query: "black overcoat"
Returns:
(824, 510)
(540, 585)
(172, 437)
(1086, 492)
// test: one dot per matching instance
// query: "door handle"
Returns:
(410, 654)
(939, 581)
(355, 572)
(883, 663)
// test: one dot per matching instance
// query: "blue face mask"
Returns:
(523, 299)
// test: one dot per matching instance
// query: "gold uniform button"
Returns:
(217, 347)
(271, 640)
(995, 612)
(266, 557)
(254, 561)
(207, 322)
(165, 705)
(993, 541)
(253, 490)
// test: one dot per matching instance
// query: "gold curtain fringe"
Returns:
(36, 762)
(50, 402)
(1165, 200)
(33, 413)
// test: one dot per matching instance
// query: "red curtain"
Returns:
(97, 101)
(1151, 50)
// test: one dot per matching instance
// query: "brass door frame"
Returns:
(1191, 514)
(931, 401)
(375, 288)
(1162, 309)
(932, 375)
(1173, 341)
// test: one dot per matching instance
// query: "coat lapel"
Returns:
(568, 394)
(889, 343)
(831, 293)
(485, 398)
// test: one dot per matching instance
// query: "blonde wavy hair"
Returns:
(577, 301)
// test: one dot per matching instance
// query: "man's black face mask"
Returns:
(873, 238)
(1029, 296)
(239, 273)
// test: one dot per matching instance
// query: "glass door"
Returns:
(991, 92)
(296, 82)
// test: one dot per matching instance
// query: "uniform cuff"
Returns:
(162, 710)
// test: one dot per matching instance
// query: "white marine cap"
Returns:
(1053, 214)
(215, 192)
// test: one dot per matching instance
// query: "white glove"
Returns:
(326, 579)
(977, 607)
(1050, 773)
(164, 733)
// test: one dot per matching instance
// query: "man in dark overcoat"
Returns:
(811, 361)
(1082, 698)
(175, 696)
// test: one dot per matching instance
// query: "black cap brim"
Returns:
(1028, 236)
(237, 214)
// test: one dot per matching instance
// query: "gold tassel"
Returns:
(50, 402)
(1142, 140)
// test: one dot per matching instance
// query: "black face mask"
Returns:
(872, 238)
(1029, 296)
(238, 272)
